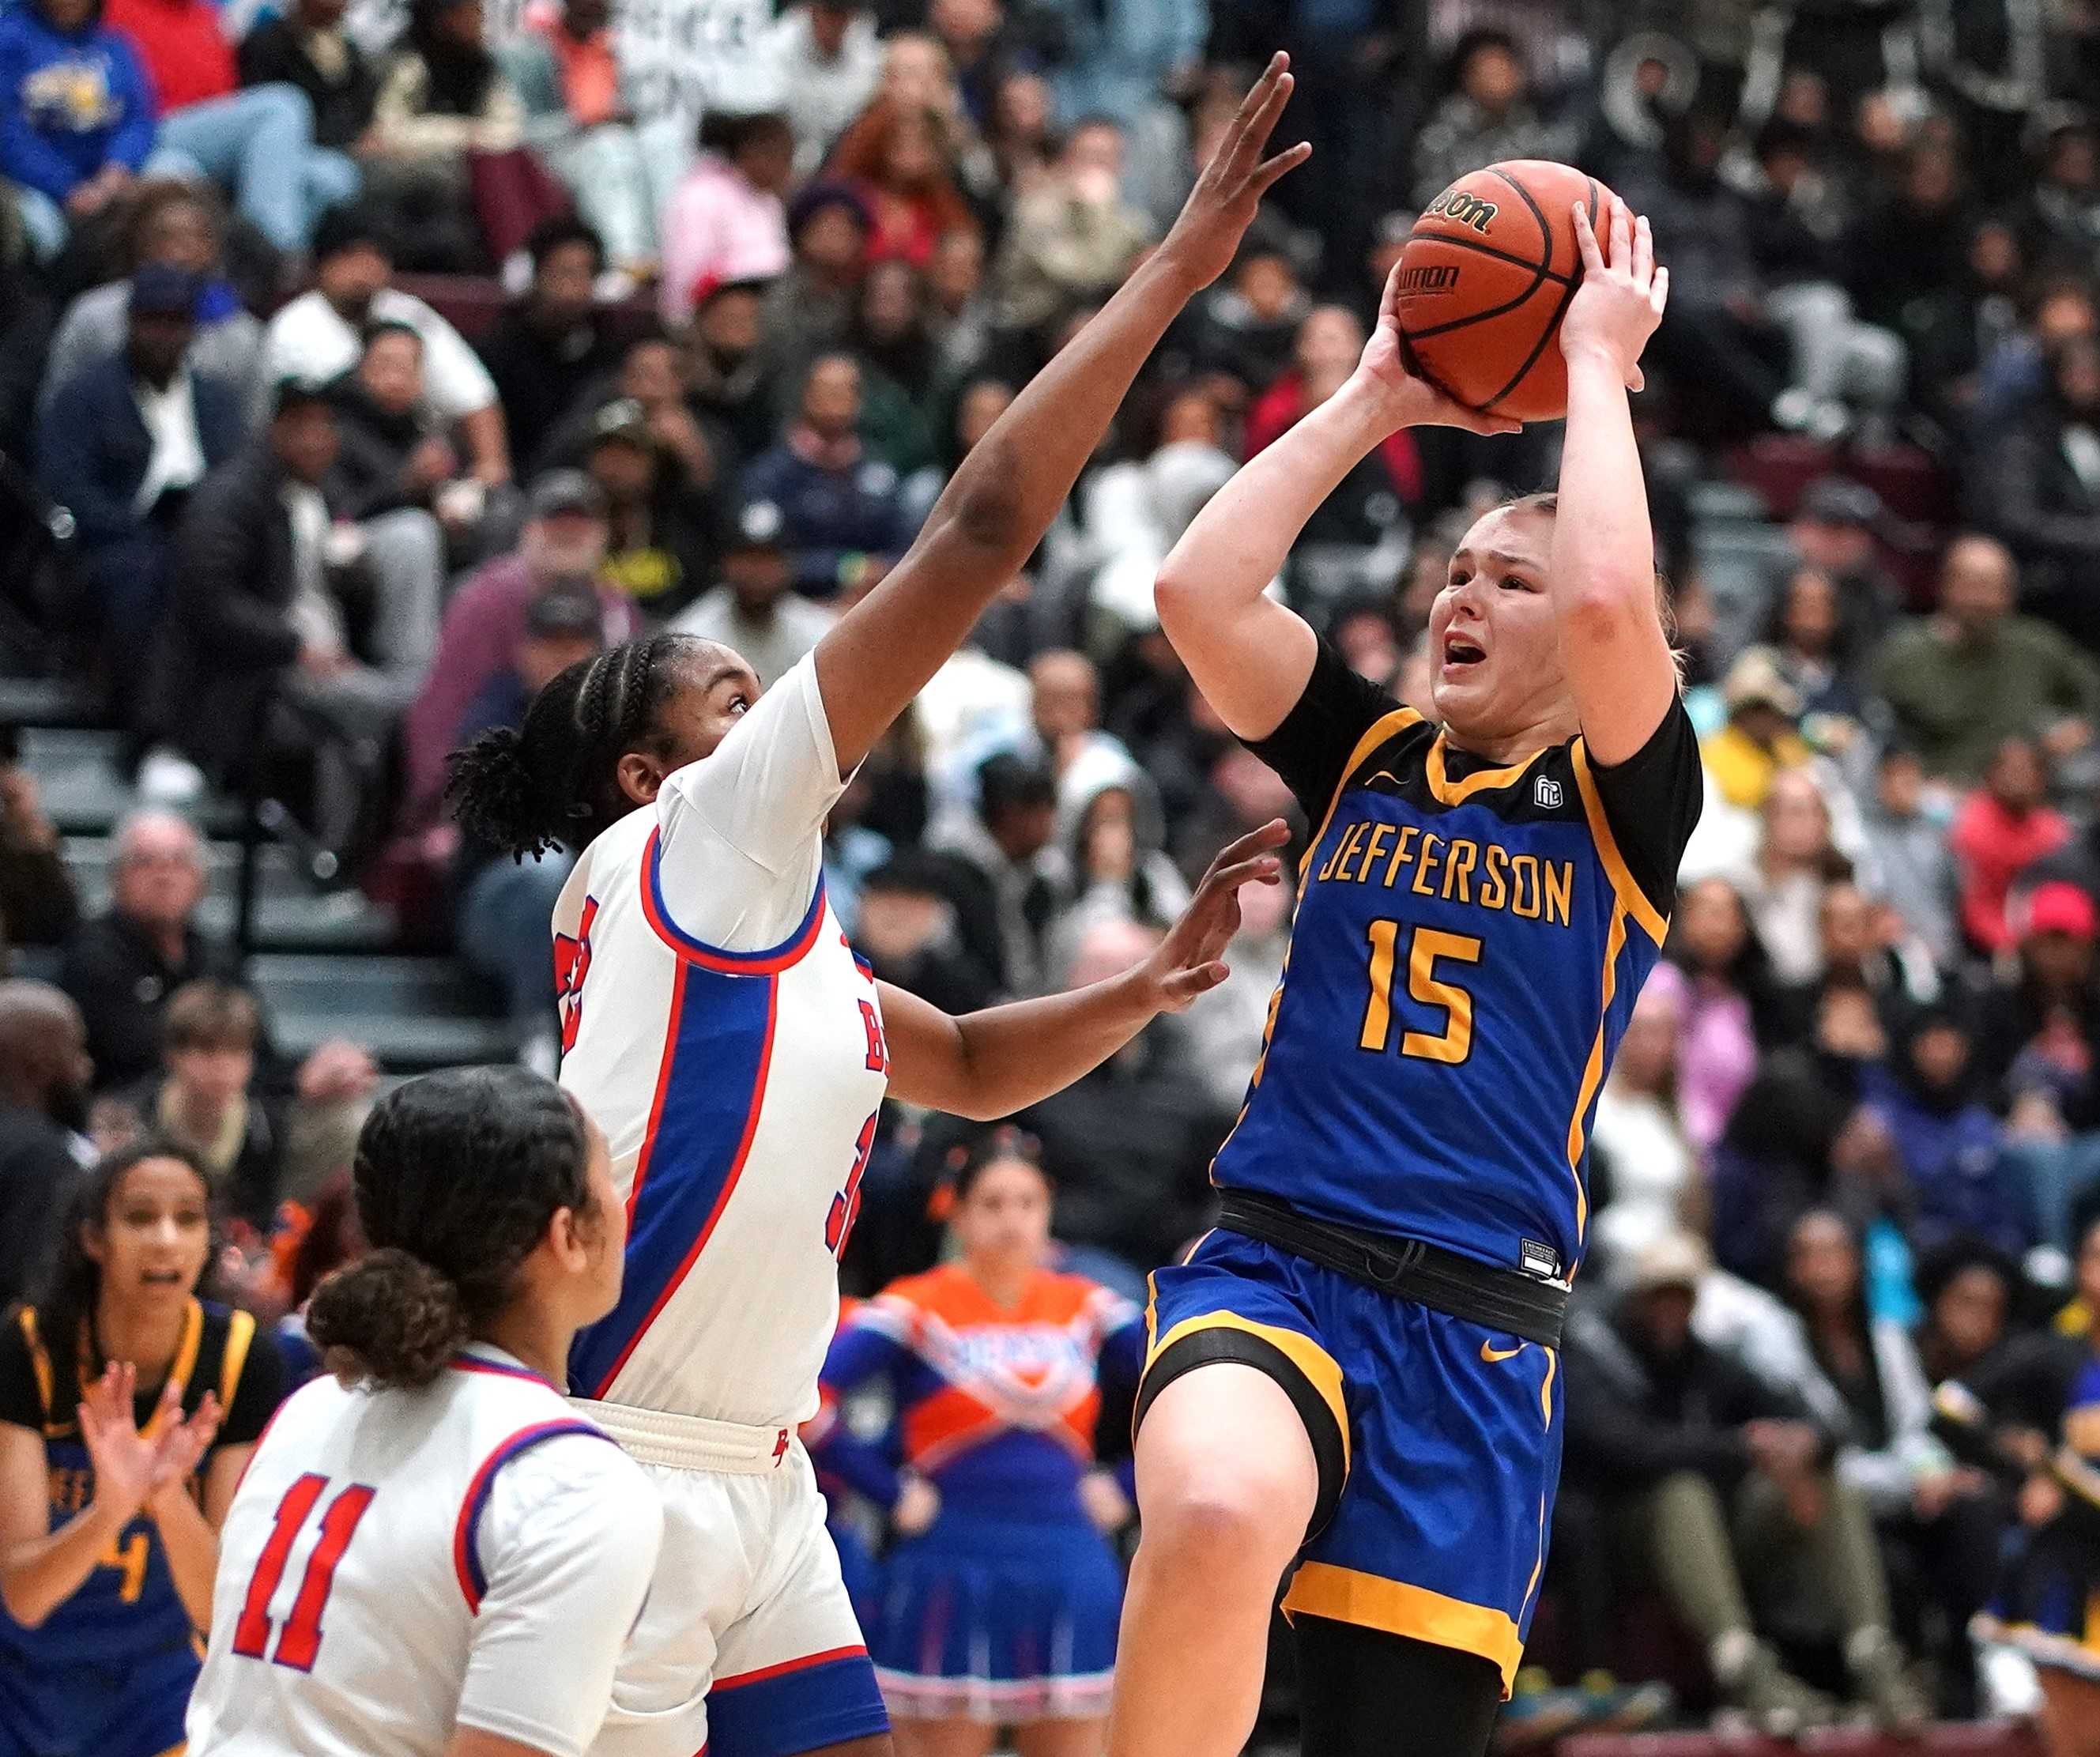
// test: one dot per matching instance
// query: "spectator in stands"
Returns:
(27, 313)
(121, 966)
(979, 403)
(317, 337)
(1963, 681)
(1644, 1173)
(901, 158)
(1224, 1027)
(1966, 1290)
(1246, 327)
(729, 377)
(306, 46)
(659, 541)
(203, 1098)
(889, 338)
(76, 115)
(554, 340)
(959, 309)
(1073, 239)
(1907, 849)
(123, 444)
(37, 904)
(1949, 1146)
(1853, 956)
(1115, 853)
(810, 307)
(1727, 973)
(504, 905)
(906, 929)
(755, 610)
(2039, 480)
(1011, 879)
(1819, 652)
(45, 1077)
(830, 62)
(581, 120)
(1716, 1480)
(2038, 1046)
(288, 632)
(842, 509)
(1836, 531)
(257, 143)
(726, 222)
(562, 545)
(1758, 739)
(1783, 883)
(1136, 1135)
(1860, 1373)
(444, 102)
(393, 457)
(1488, 114)
(2004, 827)
(174, 225)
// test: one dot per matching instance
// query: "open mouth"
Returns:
(162, 1278)
(1458, 652)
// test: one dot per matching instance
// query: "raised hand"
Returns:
(123, 1459)
(1408, 401)
(1616, 309)
(1206, 236)
(181, 1448)
(1187, 962)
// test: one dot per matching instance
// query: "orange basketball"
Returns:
(1484, 280)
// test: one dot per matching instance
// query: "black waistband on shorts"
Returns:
(1507, 1300)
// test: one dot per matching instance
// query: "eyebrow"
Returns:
(725, 673)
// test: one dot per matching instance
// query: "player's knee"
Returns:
(1251, 1511)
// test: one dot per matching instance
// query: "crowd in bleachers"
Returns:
(359, 372)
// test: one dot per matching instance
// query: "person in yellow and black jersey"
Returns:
(128, 1410)
(1356, 1373)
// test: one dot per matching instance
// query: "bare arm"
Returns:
(190, 1533)
(487, 442)
(41, 1568)
(992, 1063)
(1003, 496)
(1603, 572)
(1249, 655)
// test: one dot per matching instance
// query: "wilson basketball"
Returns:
(1486, 277)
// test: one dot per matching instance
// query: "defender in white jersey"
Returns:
(432, 1552)
(717, 1024)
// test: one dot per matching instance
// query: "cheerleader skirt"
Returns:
(998, 1620)
(2048, 1604)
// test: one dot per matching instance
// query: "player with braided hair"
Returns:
(717, 1024)
(430, 1551)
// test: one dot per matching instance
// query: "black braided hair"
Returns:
(457, 1176)
(552, 783)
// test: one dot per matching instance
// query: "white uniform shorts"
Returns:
(748, 1645)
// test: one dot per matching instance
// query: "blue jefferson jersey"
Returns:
(127, 1610)
(1468, 945)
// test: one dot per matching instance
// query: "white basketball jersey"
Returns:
(717, 1025)
(396, 1564)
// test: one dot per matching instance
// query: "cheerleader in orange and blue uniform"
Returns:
(1001, 1595)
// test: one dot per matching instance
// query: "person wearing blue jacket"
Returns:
(75, 114)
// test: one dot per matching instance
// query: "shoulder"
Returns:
(25, 1392)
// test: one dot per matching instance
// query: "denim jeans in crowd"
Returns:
(259, 144)
(503, 934)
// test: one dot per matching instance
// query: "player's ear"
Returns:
(568, 1238)
(640, 776)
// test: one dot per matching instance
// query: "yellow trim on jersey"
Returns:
(1629, 894)
(1593, 1070)
(1389, 726)
(1457, 792)
(40, 1364)
(1371, 1601)
(181, 1745)
(240, 1333)
(1317, 1365)
(1539, 1566)
(1546, 1386)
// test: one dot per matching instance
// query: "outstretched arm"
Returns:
(1002, 498)
(1250, 656)
(990, 1064)
(1603, 572)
